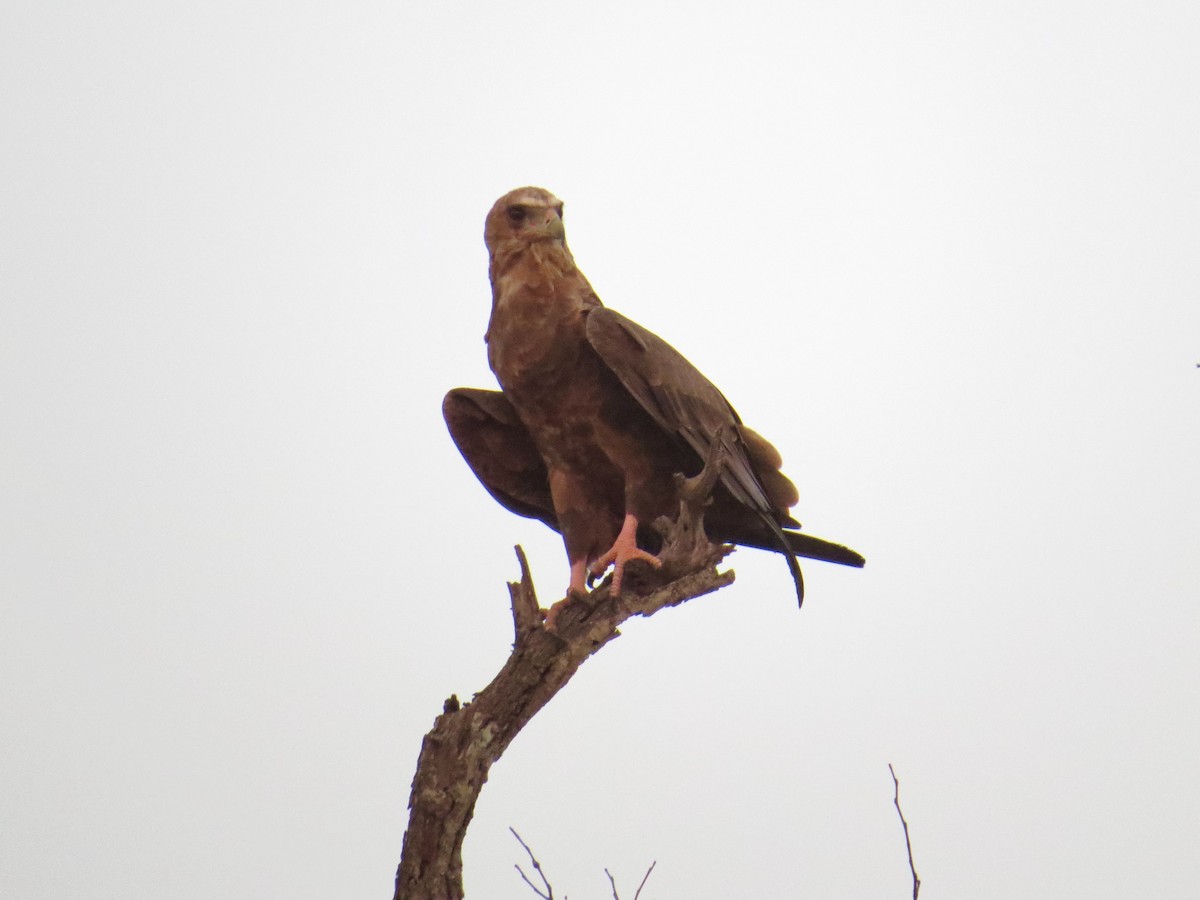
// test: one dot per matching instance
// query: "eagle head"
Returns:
(526, 216)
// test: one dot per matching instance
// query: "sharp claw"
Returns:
(552, 615)
(623, 550)
(619, 558)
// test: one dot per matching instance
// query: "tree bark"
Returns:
(466, 739)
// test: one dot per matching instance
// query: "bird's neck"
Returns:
(536, 285)
(538, 265)
(537, 321)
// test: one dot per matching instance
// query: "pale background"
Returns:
(945, 255)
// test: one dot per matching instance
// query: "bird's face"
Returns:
(528, 215)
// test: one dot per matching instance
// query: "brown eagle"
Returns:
(596, 414)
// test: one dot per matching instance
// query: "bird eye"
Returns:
(558, 209)
(516, 214)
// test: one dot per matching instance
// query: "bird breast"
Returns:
(536, 334)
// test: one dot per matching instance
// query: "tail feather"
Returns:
(783, 545)
(817, 548)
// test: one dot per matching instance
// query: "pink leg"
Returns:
(623, 550)
(578, 577)
(578, 586)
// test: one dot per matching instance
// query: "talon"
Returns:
(550, 616)
(623, 550)
(553, 612)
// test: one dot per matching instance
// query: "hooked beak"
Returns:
(552, 228)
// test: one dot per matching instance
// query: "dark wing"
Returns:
(686, 404)
(497, 447)
(680, 399)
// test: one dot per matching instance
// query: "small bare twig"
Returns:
(907, 841)
(613, 883)
(537, 867)
(645, 878)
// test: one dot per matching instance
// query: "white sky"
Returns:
(945, 255)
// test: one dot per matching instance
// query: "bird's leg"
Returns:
(578, 587)
(623, 550)
(578, 576)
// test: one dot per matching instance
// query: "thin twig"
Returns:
(645, 878)
(613, 883)
(640, 886)
(908, 843)
(537, 867)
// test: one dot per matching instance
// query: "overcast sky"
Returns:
(946, 256)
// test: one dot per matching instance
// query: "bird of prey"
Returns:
(596, 415)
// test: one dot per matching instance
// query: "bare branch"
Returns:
(613, 883)
(537, 867)
(466, 739)
(907, 842)
(527, 615)
(645, 878)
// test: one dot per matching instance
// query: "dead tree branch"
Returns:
(466, 740)
(907, 842)
(549, 895)
(645, 878)
(613, 882)
(537, 867)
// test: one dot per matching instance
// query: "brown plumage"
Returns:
(596, 414)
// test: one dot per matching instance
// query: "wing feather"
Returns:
(685, 403)
(499, 450)
(677, 396)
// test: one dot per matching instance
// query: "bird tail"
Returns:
(816, 548)
(806, 545)
(784, 547)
